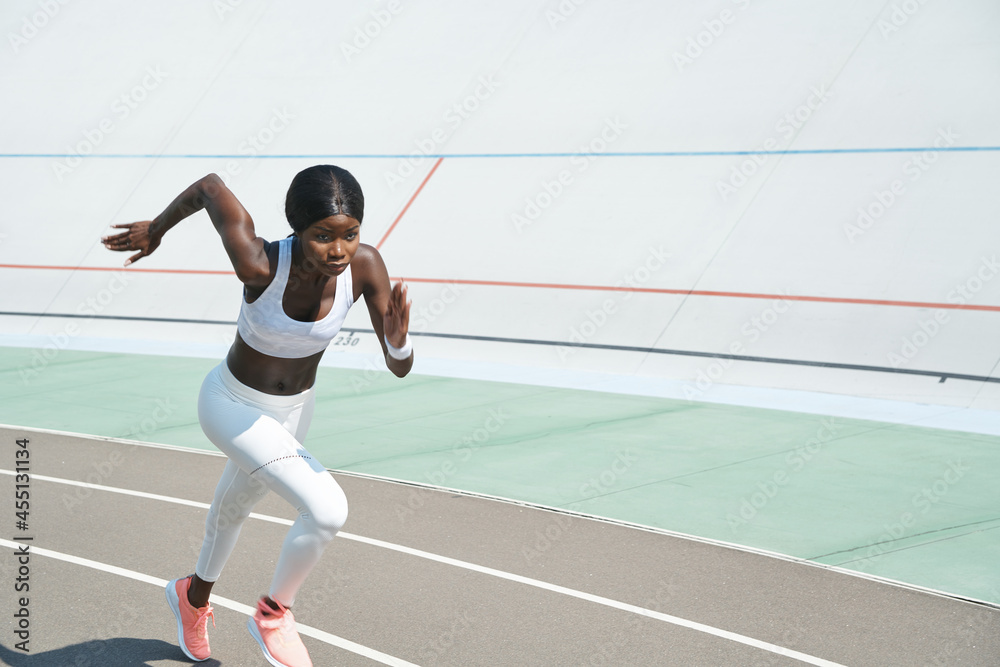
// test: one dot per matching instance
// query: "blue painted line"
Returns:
(393, 156)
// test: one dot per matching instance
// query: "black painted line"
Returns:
(942, 375)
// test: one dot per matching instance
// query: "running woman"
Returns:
(256, 405)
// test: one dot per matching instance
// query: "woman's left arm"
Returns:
(387, 306)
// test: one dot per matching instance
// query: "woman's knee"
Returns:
(330, 515)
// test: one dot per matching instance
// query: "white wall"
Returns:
(541, 82)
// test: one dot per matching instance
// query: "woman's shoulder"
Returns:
(272, 249)
(367, 268)
(365, 259)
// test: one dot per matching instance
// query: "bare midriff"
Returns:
(271, 375)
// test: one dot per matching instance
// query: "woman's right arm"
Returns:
(246, 250)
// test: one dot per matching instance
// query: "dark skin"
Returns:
(319, 254)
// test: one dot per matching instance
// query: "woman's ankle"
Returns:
(199, 592)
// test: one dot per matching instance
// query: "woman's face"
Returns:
(330, 243)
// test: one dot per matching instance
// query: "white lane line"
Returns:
(217, 600)
(623, 606)
(607, 602)
(743, 548)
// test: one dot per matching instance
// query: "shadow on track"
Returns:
(118, 652)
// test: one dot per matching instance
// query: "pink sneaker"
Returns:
(275, 632)
(192, 624)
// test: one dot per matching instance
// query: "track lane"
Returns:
(806, 608)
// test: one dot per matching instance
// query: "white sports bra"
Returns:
(266, 328)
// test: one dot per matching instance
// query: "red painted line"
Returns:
(405, 208)
(120, 268)
(593, 288)
(735, 295)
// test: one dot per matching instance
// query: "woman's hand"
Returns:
(387, 306)
(396, 321)
(142, 236)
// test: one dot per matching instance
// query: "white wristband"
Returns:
(400, 353)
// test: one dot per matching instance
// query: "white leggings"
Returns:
(262, 434)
